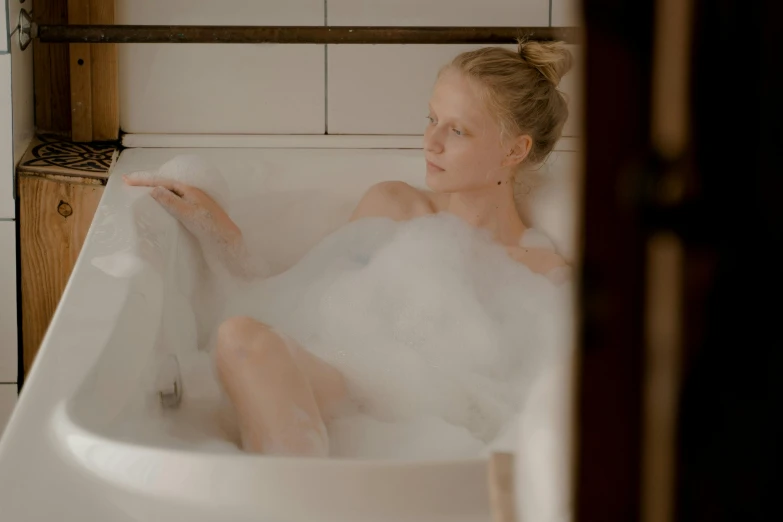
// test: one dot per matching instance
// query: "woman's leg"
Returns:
(281, 393)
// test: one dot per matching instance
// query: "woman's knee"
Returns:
(242, 339)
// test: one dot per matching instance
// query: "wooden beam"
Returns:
(105, 73)
(81, 76)
(52, 72)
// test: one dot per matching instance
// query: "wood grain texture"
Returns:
(501, 487)
(105, 77)
(81, 75)
(60, 73)
(81, 92)
(54, 218)
(42, 85)
(51, 70)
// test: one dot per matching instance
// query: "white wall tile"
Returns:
(8, 333)
(225, 12)
(4, 22)
(6, 140)
(384, 89)
(8, 395)
(231, 89)
(566, 13)
(522, 13)
(22, 90)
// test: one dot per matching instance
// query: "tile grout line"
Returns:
(550, 12)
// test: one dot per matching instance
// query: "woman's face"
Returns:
(462, 142)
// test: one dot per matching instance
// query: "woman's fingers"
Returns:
(140, 179)
(143, 181)
(178, 207)
(189, 205)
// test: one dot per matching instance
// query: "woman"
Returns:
(492, 111)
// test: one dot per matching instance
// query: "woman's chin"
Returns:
(437, 181)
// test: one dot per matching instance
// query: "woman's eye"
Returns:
(457, 132)
(431, 119)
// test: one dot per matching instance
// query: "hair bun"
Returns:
(552, 59)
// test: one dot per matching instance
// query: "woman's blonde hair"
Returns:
(521, 89)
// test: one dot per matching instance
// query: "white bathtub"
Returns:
(67, 453)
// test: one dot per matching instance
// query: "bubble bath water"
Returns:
(438, 332)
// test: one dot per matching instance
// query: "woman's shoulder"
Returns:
(537, 252)
(394, 199)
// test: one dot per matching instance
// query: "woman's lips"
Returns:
(433, 168)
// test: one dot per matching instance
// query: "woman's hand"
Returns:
(198, 212)
(220, 238)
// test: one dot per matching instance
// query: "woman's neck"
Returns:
(492, 209)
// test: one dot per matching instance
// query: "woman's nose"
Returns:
(432, 141)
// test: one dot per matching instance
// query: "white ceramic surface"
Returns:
(521, 13)
(222, 89)
(6, 140)
(4, 23)
(384, 89)
(21, 88)
(234, 89)
(225, 12)
(7, 403)
(328, 141)
(8, 335)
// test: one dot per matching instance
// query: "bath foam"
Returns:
(438, 332)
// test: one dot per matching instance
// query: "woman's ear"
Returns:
(519, 150)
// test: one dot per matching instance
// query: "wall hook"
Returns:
(26, 29)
